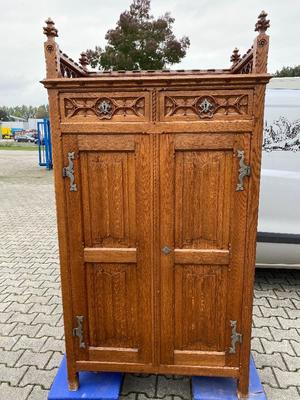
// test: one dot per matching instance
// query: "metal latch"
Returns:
(78, 331)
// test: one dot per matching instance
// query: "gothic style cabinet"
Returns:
(157, 183)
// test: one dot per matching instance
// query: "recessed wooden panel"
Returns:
(111, 198)
(202, 198)
(200, 307)
(113, 305)
(103, 255)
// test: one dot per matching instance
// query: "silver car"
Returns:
(278, 241)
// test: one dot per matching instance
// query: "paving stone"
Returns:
(256, 345)
(141, 384)
(169, 386)
(261, 301)
(289, 323)
(287, 294)
(4, 316)
(34, 344)
(265, 293)
(275, 312)
(11, 375)
(54, 331)
(55, 360)
(269, 360)
(267, 376)
(275, 303)
(281, 394)
(35, 376)
(280, 334)
(134, 396)
(38, 299)
(18, 307)
(287, 378)
(283, 346)
(262, 332)
(5, 329)
(24, 329)
(38, 394)
(296, 347)
(46, 319)
(9, 357)
(263, 322)
(293, 313)
(52, 344)
(14, 393)
(42, 308)
(257, 311)
(293, 363)
(8, 342)
(21, 317)
(31, 358)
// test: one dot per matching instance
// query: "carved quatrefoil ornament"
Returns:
(206, 107)
(105, 108)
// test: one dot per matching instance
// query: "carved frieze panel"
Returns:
(206, 106)
(125, 107)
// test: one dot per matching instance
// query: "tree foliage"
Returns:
(24, 111)
(288, 71)
(139, 41)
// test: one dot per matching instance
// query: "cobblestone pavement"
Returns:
(31, 326)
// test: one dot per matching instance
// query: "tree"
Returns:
(288, 71)
(25, 112)
(4, 114)
(140, 41)
(42, 112)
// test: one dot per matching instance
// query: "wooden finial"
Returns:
(49, 30)
(83, 60)
(235, 56)
(262, 23)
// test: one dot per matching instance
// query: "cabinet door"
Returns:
(110, 246)
(202, 236)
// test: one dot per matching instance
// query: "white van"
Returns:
(278, 239)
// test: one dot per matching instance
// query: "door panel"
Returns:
(199, 213)
(115, 199)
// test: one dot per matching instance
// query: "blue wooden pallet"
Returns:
(211, 388)
(92, 385)
(107, 385)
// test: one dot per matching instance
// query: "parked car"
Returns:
(278, 240)
(25, 138)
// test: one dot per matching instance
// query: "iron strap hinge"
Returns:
(244, 170)
(68, 172)
(78, 331)
(235, 337)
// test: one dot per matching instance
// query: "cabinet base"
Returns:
(92, 385)
(211, 388)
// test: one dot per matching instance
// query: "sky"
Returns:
(214, 27)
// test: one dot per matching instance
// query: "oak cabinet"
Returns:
(157, 182)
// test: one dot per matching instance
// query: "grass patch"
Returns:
(17, 147)
(12, 145)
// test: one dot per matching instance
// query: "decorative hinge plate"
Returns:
(78, 331)
(68, 172)
(244, 170)
(235, 337)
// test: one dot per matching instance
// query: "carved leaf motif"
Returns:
(105, 107)
(206, 106)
